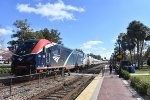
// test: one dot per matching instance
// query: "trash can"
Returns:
(131, 69)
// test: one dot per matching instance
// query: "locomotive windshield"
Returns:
(26, 47)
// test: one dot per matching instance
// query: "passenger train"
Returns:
(43, 55)
(35, 55)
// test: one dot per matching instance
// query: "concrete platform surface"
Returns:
(107, 87)
(113, 88)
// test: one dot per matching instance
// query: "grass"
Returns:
(5, 70)
(142, 71)
(145, 78)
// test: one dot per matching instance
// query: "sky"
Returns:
(90, 25)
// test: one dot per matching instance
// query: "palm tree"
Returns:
(137, 31)
(130, 46)
(147, 35)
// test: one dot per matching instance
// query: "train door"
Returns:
(44, 57)
(48, 56)
(41, 59)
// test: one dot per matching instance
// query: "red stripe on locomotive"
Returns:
(40, 45)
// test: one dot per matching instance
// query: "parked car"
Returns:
(1, 60)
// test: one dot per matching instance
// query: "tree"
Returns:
(95, 56)
(23, 32)
(148, 35)
(12, 44)
(80, 50)
(137, 31)
(121, 44)
(147, 53)
(52, 35)
(148, 62)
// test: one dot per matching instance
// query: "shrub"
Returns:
(125, 74)
(141, 86)
(134, 81)
(148, 91)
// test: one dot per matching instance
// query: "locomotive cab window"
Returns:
(26, 47)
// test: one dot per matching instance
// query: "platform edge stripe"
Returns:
(89, 90)
(97, 90)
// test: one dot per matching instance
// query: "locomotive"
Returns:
(43, 55)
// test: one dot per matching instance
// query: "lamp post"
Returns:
(115, 52)
(119, 42)
(112, 59)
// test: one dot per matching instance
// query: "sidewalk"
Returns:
(113, 88)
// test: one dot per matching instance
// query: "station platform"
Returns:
(107, 87)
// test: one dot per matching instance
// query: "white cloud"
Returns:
(95, 47)
(106, 54)
(101, 52)
(53, 11)
(5, 31)
(90, 44)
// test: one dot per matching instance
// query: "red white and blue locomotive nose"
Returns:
(39, 46)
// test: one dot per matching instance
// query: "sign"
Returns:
(56, 57)
(119, 56)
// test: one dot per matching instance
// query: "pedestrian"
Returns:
(110, 68)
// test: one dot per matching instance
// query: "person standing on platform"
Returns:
(110, 68)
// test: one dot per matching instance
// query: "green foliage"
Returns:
(148, 62)
(95, 56)
(5, 70)
(52, 35)
(125, 74)
(80, 50)
(148, 91)
(142, 71)
(24, 32)
(122, 39)
(141, 85)
(134, 81)
(137, 31)
(147, 53)
(147, 37)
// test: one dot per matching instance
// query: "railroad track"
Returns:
(26, 90)
(67, 91)
(93, 70)
(55, 87)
